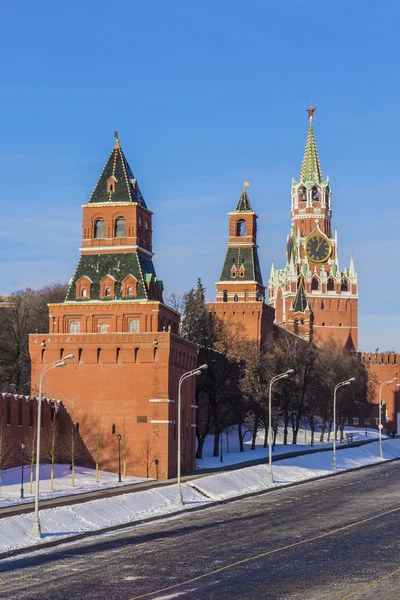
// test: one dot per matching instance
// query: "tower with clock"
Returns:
(311, 295)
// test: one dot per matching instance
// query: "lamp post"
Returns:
(337, 386)
(221, 458)
(178, 457)
(119, 457)
(276, 378)
(22, 470)
(380, 426)
(58, 363)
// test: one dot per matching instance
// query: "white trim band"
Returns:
(164, 400)
(165, 421)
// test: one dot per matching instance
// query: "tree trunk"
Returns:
(265, 445)
(97, 471)
(254, 436)
(295, 433)
(329, 431)
(52, 477)
(200, 444)
(240, 434)
(285, 428)
(216, 443)
(312, 433)
(321, 437)
(73, 476)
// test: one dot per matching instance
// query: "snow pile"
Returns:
(85, 481)
(61, 522)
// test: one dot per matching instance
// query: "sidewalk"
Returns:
(78, 498)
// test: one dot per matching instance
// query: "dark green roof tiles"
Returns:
(300, 303)
(246, 256)
(244, 203)
(311, 169)
(97, 266)
(125, 186)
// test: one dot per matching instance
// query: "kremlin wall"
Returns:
(128, 354)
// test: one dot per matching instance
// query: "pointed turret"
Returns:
(272, 274)
(311, 169)
(352, 271)
(244, 203)
(300, 303)
(117, 183)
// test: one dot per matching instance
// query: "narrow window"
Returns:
(130, 290)
(331, 285)
(61, 353)
(99, 228)
(314, 284)
(315, 194)
(118, 355)
(80, 352)
(108, 291)
(98, 355)
(155, 354)
(235, 298)
(322, 305)
(241, 228)
(134, 326)
(113, 429)
(103, 328)
(136, 355)
(111, 187)
(84, 293)
(42, 357)
(225, 296)
(120, 227)
(345, 285)
(74, 327)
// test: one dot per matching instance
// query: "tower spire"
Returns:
(311, 169)
(244, 203)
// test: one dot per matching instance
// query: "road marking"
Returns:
(24, 576)
(369, 585)
(268, 553)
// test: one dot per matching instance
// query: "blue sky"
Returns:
(205, 95)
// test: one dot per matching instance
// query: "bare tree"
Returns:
(73, 449)
(30, 443)
(97, 448)
(52, 446)
(147, 455)
(7, 449)
(125, 449)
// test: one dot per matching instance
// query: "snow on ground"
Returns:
(231, 454)
(61, 522)
(85, 481)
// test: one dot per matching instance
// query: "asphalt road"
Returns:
(337, 538)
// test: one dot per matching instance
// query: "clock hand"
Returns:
(319, 245)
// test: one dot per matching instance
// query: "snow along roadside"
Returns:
(97, 516)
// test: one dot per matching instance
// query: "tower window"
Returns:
(322, 305)
(315, 194)
(314, 284)
(84, 293)
(103, 328)
(74, 327)
(134, 326)
(302, 194)
(235, 298)
(331, 284)
(99, 228)
(225, 296)
(111, 189)
(130, 290)
(345, 285)
(120, 227)
(107, 291)
(241, 228)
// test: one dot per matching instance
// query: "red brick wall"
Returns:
(385, 366)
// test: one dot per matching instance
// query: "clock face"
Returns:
(318, 248)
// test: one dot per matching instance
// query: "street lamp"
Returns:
(380, 426)
(178, 458)
(119, 457)
(58, 363)
(280, 376)
(339, 385)
(22, 470)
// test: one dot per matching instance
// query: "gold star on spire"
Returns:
(116, 139)
(310, 111)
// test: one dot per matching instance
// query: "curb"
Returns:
(111, 528)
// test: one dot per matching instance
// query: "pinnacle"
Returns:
(311, 169)
(300, 303)
(244, 203)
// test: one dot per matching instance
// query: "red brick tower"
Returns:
(311, 296)
(240, 289)
(128, 354)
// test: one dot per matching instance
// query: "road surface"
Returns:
(337, 538)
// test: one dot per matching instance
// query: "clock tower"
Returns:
(311, 295)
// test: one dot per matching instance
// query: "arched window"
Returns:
(130, 290)
(241, 228)
(103, 328)
(315, 194)
(99, 228)
(107, 292)
(225, 296)
(314, 284)
(80, 352)
(302, 196)
(146, 224)
(118, 355)
(98, 355)
(84, 293)
(155, 354)
(120, 227)
(111, 188)
(235, 298)
(345, 285)
(331, 285)
(322, 305)
(74, 327)
(134, 326)
(61, 353)
(136, 355)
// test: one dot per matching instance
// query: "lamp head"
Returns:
(62, 363)
(119, 437)
(351, 379)
(68, 356)
(202, 367)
